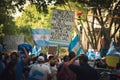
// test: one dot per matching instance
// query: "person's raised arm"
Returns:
(26, 55)
(73, 59)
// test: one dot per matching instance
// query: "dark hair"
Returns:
(14, 53)
(41, 54)
(83, 58)
(66, 58)
(71, 55)
(118, 66)
(50, 57)
(52, 63)
(1, 56)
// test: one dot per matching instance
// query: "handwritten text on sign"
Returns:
(62, 23)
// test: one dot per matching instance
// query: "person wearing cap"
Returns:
(40, 71)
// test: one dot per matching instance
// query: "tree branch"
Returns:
(115, 31)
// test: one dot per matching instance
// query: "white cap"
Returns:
(41, 58)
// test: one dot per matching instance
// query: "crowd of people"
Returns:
(43, 67)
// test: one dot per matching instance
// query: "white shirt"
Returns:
(40, 71)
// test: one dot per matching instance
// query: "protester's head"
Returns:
(14, 56)
(50, 57)
(52, 63)
(1, 56)
(6, 58)
(65, 58)
(41, 54)
(45, 56)
(71, 55)
(83, 58)
(41, 59)
(118, 66)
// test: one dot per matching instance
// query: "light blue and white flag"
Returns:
(75, 46)
(111, 50)
(36, 51)
(41, 37)
(90, 54)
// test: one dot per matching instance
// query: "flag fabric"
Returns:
(36, 51)
(41, 37)
(27, 46)
(75, 46)
(58, 43)
(111, 50)
(97, 55)
(90, 54)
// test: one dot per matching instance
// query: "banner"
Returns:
(52, 49)
(61, 25)
(12, 42)
(41, 37)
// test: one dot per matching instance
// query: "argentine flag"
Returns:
(36, 51)
(75, 46)
(41, 37)
(111, 49)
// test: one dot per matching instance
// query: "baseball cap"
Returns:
(41, 58)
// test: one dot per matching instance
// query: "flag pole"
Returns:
(58, 52)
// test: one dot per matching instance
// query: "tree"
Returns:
(7, 25)
(9, 7)
(107, 14)
(32, 18)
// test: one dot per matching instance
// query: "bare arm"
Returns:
(26, 55)
(73, 59)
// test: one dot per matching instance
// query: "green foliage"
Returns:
(98, 3)
(31, 17)
(61, 2)
(1, 28)
(9, 6)
(26, 32)
(8, 26)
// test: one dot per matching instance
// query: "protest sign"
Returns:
(61, 25)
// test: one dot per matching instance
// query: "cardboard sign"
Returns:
(52, 49)
(61, 26)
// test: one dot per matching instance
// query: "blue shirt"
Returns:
(1, 67)
(19, 70)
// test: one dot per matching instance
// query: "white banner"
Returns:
(12, 42)
(61, 25)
